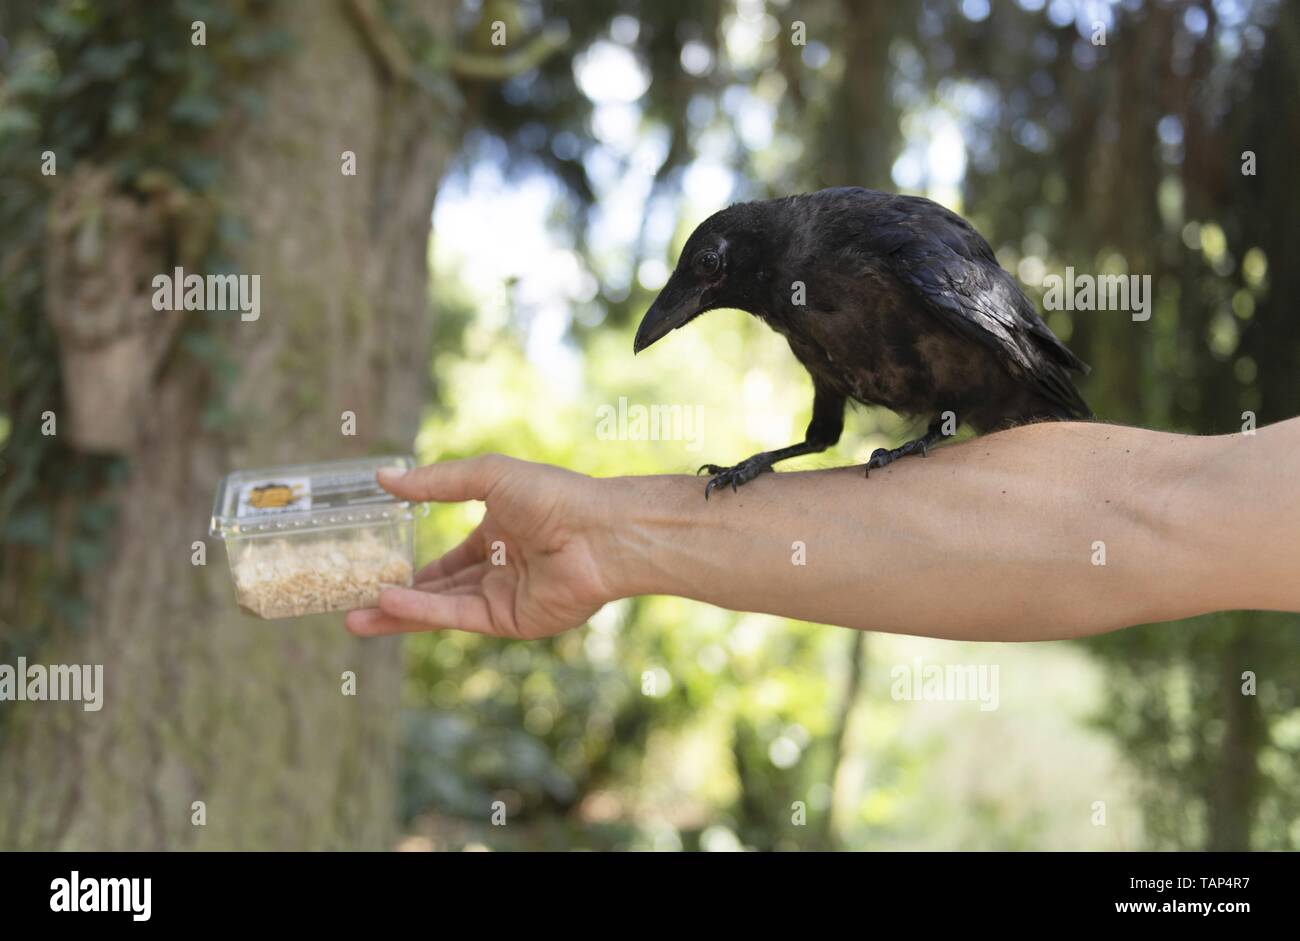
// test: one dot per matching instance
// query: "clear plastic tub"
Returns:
(307, 538)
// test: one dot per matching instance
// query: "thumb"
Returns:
(470, 478)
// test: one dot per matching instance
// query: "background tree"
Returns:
(224, 156)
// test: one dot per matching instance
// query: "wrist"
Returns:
(633, 533)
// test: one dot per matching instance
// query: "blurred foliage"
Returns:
(1128, 157)
(1113, 158)
(556, 727)
(739, 725)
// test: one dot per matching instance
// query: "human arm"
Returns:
(997, 538)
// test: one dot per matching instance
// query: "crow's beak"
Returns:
(674, 307)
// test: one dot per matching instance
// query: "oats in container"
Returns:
(307, 538)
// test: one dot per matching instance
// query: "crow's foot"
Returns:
(882, 457)
(733, 477)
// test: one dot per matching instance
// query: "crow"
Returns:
(885, 300)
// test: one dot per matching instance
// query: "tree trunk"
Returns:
(201, 703)
(1234, 784)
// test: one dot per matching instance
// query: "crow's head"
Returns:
(721, 266)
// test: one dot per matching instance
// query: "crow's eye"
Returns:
(708, 262)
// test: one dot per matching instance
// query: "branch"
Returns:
(500, 67)
(381, 42)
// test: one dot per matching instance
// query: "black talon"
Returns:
(883, 457)
(737, 475)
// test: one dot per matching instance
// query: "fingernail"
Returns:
(388, 475)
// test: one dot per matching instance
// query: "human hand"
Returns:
(530, 569)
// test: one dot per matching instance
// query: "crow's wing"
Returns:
(953, 273)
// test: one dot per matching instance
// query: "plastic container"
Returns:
(307, 538)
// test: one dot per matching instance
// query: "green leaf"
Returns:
(124, 117)
(197, 110)
(17, 122)
(30, 527)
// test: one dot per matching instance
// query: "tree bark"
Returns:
(201, 703)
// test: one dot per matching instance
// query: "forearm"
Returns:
(999, 538)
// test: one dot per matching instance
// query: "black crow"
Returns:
(885, 300)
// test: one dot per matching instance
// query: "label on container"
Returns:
(274, 495)
(328, 491)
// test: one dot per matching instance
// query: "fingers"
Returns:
(425, 611)
(371, 622)
(447, 596)
(467, 553)
(406, 611)
(470, 575)
(471, 478)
